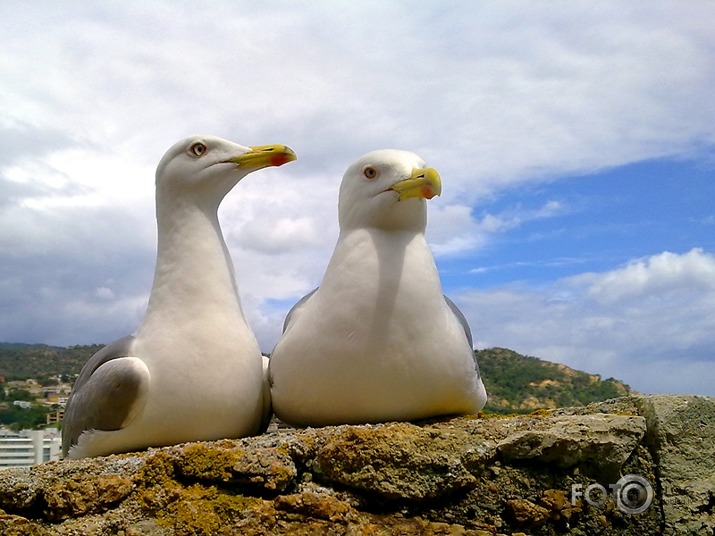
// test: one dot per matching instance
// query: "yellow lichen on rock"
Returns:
(208, 461)
(201, 510)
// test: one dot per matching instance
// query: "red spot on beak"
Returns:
(279, 159)
(427, 192)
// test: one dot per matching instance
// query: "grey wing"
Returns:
(267, 413)
(105, 392)
(120, 348)
(462, 320)
(295, 310)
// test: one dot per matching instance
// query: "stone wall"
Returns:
(535, 474)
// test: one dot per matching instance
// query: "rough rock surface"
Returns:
(482, 475)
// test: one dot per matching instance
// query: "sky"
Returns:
(575, 141)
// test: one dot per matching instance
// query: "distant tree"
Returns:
(46, 380)
(511, 379)
(20, 394)
(17, 418)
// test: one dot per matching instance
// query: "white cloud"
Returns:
(620, 323)
(104, 293)
(454, 229)
(283, 235)
(657, 276)
(496, 95)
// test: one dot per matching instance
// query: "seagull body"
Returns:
(193, 370)
(377, 340)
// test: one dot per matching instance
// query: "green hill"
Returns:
(23, 361)
(522, 384)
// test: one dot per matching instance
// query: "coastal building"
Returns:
(29, 447)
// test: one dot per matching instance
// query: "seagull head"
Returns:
(206, 167)
(387, 189)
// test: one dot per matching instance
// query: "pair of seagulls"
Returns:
(376, 341)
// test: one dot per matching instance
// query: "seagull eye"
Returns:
(198, 149)
(370, 172)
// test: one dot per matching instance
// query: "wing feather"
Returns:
(108, 393)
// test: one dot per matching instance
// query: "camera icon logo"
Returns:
(633, 493)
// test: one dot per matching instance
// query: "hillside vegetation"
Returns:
(38, 361)
(522, 384)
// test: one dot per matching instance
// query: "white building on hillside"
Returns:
(29, 447)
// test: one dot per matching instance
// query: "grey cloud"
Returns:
(23, 141)
(49, 286)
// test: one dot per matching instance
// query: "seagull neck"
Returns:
(193, 266)
(376, 251)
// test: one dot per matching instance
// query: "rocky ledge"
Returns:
(634, 465)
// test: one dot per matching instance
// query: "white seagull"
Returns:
(193, 370)
(377, 340)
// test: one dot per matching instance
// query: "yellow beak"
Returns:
(262, 156)
(423, 183)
